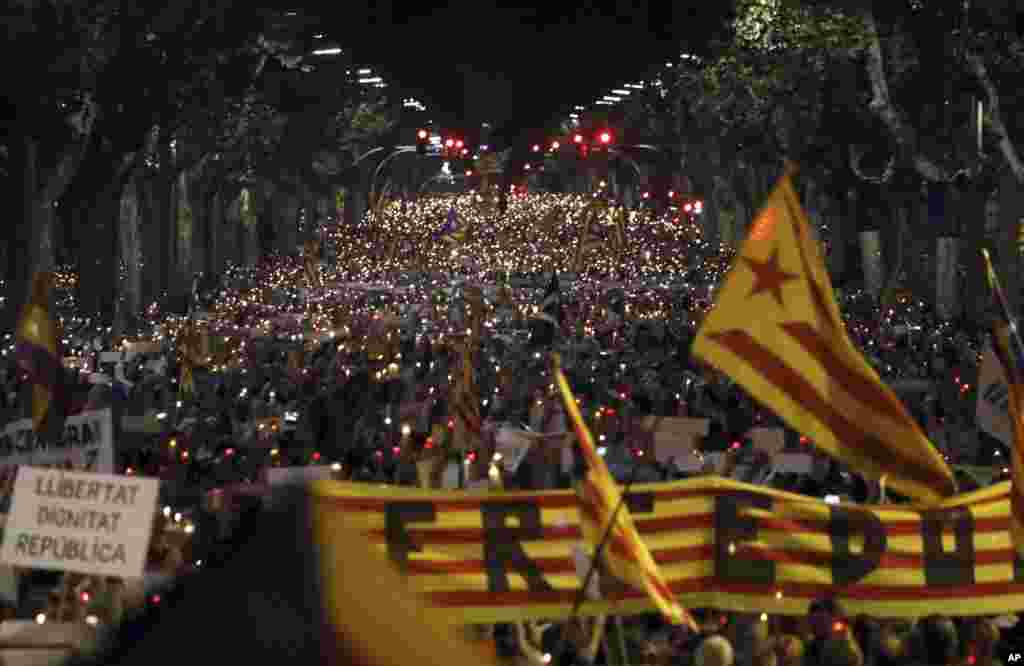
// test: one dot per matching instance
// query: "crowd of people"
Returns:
(352, 378)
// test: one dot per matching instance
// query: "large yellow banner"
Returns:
(497, 557)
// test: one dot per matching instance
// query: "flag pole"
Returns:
(1004, 305)
(592, 569)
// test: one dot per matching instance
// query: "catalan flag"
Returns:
(190, 356)
(625, 555)
(38, 354)
(475, 311)
(464, 403)
(310, 259)
(591, 236)
(776, 330)
(1006, 344)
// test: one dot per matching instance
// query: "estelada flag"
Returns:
(776, 330)
(1007, 347)
(605, 519)
(38, 354)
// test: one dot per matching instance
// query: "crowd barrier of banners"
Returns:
(499, 557)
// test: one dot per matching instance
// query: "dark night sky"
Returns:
(519, 67)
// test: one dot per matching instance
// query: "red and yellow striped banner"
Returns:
(502, 557)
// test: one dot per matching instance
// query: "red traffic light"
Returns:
(605, 137)
(449, 143)
(577, 138)
(422, 135)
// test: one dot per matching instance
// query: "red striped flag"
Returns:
(1006, 345)
(38, 354)
(625, 555)
(464, 403)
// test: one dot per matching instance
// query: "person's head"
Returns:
(935, 641)
(790, 649)
(841, 651)
(765, 654)
(714, 651)
(980, 636)
(822, 615)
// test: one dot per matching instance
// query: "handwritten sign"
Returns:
(87, 444)
(675, 437)
(769, 440)
(992, 413)
(95, 524)
(793, 463)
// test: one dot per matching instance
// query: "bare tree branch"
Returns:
(977, 66)
(883, 106)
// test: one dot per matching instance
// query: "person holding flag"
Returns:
(776, 330)
(545, 326)
(450, 232)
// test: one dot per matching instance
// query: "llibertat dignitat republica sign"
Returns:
(95, 524)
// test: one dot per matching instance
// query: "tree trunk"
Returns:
(199, 246)
(30, 242)
(355, 205)
(1011, 215)
(971, 228)
(99, 287)
(871, 260)
(166, 209)
(131, 252)
(181, 228)
(284, 215)
(154, 250)
(215, 226)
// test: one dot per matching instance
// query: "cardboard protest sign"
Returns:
(769, 440)
(675, 438)
(992, 413)
(95, 524)
(283, 476)
(513, 445)
(794, 463)
(87, 445)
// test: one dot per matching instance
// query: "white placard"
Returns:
(992, 410)
(793, 463)
(513, 445)
(451, 480)
(288, 476)
(769, 440)
(95, 524)
(88, 443)
(675, 437)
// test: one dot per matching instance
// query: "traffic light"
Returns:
(422, 139)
